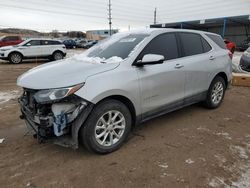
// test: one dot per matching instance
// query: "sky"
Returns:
(82, 15)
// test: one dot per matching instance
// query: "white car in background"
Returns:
(34, 48)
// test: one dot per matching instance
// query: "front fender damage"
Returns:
(58, 122)
(73, 140)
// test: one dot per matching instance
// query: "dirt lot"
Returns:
(189, 148)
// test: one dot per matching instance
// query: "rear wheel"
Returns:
(57, 56)
(107, 127)
(15, 58)
(215, 93)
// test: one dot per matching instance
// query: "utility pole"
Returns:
(110, 18)
(155, 16)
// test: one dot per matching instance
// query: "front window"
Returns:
(119, 45)
(33, 43)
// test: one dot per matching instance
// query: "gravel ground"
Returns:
(189, 148)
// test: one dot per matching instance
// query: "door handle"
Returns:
(178, 66)
(211, 58)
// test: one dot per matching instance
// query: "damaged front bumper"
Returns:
(58, 122)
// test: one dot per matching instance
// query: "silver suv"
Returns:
(98, 96)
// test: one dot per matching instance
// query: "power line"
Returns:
(119, 10)
(65, 14)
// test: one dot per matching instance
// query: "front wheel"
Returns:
(215, 93)
(15, 58)
(107, 127)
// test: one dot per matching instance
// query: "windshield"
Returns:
(119, 45)
(23, 43)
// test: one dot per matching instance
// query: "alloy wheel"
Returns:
(217, 93)
(58, 56)
(16, 58)
(110, 128)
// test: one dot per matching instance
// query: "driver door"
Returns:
(32, 49)
(161, 85)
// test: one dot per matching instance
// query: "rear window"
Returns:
(191, 44)
(50, 42)
(218, 40)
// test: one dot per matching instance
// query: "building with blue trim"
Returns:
(234, 28)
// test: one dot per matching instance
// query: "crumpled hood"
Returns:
(64, 73)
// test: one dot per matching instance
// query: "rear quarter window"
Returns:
(53, 42)
(206, 45)
(218, 40)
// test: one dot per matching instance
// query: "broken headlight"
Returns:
(48, 95)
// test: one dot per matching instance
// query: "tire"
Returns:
(97, 131)
(57, 55)
(215, 93)
(15, 58)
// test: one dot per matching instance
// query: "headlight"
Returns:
(55, 94)
(246, 53)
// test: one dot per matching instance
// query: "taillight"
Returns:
(230, 54)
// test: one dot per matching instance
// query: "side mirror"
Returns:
(28, 44)
(151, 59)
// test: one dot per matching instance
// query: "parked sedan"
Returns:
(70, 43)
(33, 48)
(98, 96)
(81, 43)
(90, 44)
(245, 60)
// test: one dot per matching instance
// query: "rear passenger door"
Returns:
(196, 59)
(47, 47)
(161, 85)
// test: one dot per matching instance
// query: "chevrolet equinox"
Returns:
(95, 98)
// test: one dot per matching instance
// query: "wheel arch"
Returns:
(224, 76)
(15, 52)
(126, 101)
(57, 51)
